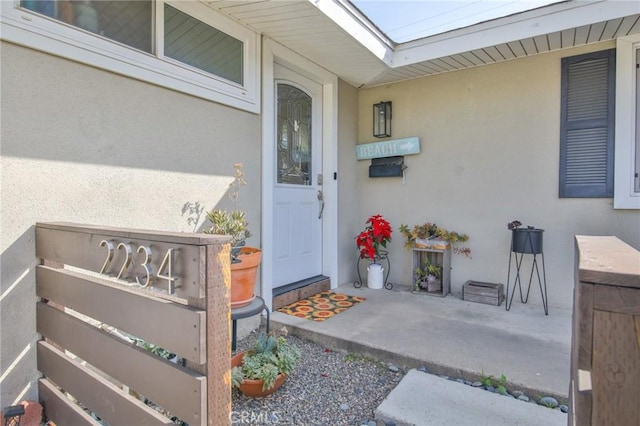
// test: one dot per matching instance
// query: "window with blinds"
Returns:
(182, 45)
(587, 125)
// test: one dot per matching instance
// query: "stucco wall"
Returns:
(83, 145)
(347, 181)
(490, 154)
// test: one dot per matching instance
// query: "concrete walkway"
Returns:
(425, 399)
(450, 336)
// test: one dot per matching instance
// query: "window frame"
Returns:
(30, 29)
(626, 143)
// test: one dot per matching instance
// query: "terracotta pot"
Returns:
(243, 276)
(251, 387)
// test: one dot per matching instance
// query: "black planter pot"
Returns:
(526, 240)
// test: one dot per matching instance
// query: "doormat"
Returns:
(321, 306)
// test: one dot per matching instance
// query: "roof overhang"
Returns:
(336, 36)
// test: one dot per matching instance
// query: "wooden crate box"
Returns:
(488, 293)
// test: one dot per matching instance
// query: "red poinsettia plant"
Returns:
(376, 234)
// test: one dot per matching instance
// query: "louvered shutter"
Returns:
(587, 125)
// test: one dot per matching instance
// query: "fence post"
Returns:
(218, 338)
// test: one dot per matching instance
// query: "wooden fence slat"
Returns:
(584, 306)
(96, 393)
(83, 250)
(196, 239)
(616, 370)
(60, 409)
(622, 300)
(175, 388)
(136, 313)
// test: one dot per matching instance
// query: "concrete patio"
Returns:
(451, 336)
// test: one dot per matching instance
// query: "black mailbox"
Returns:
(387, 167)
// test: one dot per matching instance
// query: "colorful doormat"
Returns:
(321, 306)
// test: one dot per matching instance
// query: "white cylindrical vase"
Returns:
(375, 276)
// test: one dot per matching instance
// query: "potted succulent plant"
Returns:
(261, 370)
(244, 260)
(526, 239)
(428, 277)
(431, 235)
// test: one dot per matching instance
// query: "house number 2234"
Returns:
(165, 271)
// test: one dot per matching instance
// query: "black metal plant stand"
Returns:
(382, 255)
(256, 307)
(527, 241)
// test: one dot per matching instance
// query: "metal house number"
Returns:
(165, 270)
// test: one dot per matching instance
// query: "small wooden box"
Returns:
(488, 293)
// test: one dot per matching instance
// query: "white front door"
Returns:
(297, 191)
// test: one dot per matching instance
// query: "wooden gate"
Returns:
(112, 300)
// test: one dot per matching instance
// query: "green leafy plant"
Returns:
(498, 384)
(431, 231)
(156, 350)
(428, 272)
(269, 357)
(231, 222)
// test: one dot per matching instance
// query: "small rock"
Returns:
(524, 398)
(389, 424)
(344, 407)
(423, 369)
(393, 368)
(444, 377)
(490, 389)
(371, 423)
(460, 381)
(467, 382)
(548, 401)
(517, 393)
(564, 408)
(476, 384)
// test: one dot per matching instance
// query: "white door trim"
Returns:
(275, 52)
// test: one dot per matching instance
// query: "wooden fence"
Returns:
(103, 288)
(605, 352)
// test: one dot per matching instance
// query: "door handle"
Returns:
(321, 199)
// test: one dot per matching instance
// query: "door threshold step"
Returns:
(291, 293)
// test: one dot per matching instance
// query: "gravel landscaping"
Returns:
(326, 388)
(333, 388)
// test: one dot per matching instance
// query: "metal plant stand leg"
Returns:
(256, 307)
(542, 281)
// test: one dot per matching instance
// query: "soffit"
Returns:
(301, 26)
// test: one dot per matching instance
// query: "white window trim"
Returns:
(625, 196)
(29, 29)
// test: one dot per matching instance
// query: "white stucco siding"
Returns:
(84, 145)
(490, 154)
(348, 219)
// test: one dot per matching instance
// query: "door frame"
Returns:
(274, 52)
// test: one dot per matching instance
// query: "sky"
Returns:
(404, 21)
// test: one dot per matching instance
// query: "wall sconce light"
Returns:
(382, 119)
(13, 415)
